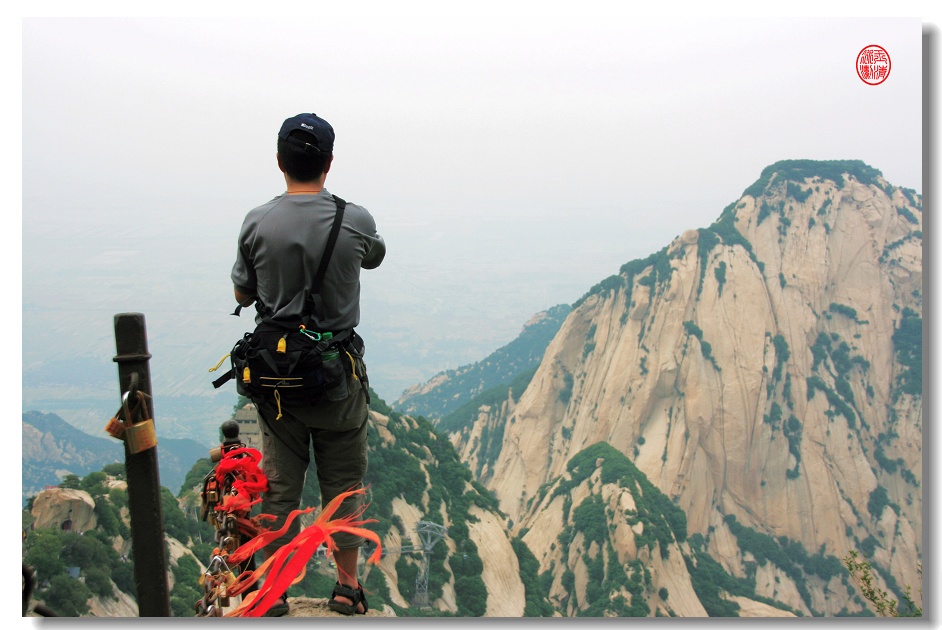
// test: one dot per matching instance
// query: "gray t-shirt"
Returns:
(280, 248)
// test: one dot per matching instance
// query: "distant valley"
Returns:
(52, 449)
(421, 314)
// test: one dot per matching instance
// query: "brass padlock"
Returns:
(223, 593)
(115, 428)
(215, 454)
(140, 437)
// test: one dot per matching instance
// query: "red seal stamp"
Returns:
(873, 64)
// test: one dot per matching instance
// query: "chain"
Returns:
(229, 491)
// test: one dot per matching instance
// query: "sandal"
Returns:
(355, 595)
(278, 609)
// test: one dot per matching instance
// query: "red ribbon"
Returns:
(287, 565)
(249, 481)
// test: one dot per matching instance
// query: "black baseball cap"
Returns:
(311, 124)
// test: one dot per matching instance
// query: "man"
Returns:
(280, 249)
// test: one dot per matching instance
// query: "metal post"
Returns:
(144, 503)
(430, 533)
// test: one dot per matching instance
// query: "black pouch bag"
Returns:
(288, 362)
(268, 360)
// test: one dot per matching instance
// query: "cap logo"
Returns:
(306, 126)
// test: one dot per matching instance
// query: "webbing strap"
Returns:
(222, 379)
(329, 248)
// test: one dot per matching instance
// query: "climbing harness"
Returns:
(297, 365)
(292, 360)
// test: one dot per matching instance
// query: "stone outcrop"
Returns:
(64, 508)
(120, 605)
(755, 369)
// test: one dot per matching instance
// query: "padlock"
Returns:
(215, 454)
(140, 437)
(223, 592)
(115, 428)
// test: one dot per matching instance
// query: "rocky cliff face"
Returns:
(472, 567)
(764, 373)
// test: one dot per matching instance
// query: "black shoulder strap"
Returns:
(321, 269)
(329, 248)
(310, 304)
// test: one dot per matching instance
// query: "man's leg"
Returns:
(346, 560)
(341, 459)
(333, 481)
(285, 460)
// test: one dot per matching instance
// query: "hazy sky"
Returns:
(511, 160)
(553, 146)
(438, 119)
